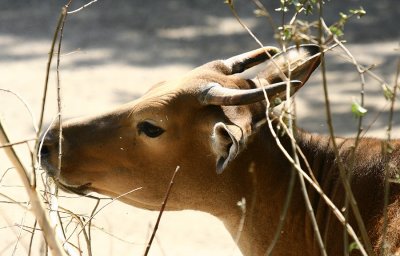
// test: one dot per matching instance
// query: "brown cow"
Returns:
(211, 123)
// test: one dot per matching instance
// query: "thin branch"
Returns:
(82, 7)
(39, 155)
(53, 203)
(82, 225)
(113, 200)
(55, 36)
(37, 205)
(387, 151)
(90, 221)
(20, 232)
(288, 198)
(114, 236)
(308, 205)
(266, 13)
(352, 157)
(5, 173)
(290, 189)
(32, 236)
(341, 167)
(14, 143)
(13, 201)
(26, 106)
(161, 212)
(318, 189)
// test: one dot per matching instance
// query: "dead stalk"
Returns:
(303, 187)
(97, 212)
(341, 167)
(90, 221)
(248, 30)
(361, 72)
(316, 187)
(82, 225)
(38, 207)
(53, 203)
(82, 7)
(309, 208)
(14, 143)
(32, 236)
(21, 228)
(161, 212)
(291, 182)
(51, 53)
(26, 106)
(266, 13)
(386, 152)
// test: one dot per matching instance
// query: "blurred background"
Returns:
(113, 51)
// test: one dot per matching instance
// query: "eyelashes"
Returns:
(149, 129)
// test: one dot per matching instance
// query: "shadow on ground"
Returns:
(159, 32)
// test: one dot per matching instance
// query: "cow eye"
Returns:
(149, 129)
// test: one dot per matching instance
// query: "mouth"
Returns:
(51, 170)
(82, 190)
(54, 173)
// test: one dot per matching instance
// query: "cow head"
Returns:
(201, 122)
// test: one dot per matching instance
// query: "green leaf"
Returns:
(358, 110)
(387, 92)
(336, 31)
(286, 33)
(353, 246)
(343, 16)
(359, 12)
(277, 101)
(260, 13)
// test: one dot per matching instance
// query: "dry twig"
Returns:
(161, 212)
(37, 205)
(341, 167)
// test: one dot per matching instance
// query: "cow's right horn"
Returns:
(215, 94)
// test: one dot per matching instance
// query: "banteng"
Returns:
(212, 123)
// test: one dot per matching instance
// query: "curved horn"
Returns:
(215, 94)
(240, 63)
(298, 62)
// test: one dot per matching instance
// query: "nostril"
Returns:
(45, 151)
(48, 141)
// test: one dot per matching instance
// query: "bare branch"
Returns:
(113, 200)
(37, 205)
(55, 36)
(19, 232)
(161, 212)
(82, 7)
(32, 236)
(386, 152)
(14, 143)
(342, 170)
(26, 106)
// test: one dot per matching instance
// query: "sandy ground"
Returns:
(117, 49)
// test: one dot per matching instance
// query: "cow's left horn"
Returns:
(215, 94)
(242, 62)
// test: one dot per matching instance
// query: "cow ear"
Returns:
(226, 141)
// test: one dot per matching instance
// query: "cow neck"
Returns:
(264, 173)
